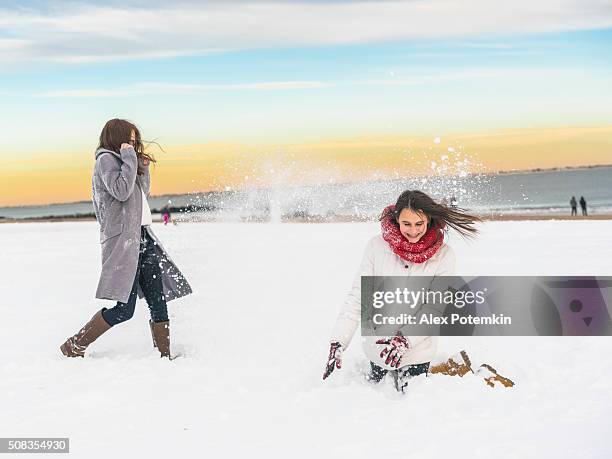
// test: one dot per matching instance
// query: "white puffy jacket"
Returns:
(379, 260)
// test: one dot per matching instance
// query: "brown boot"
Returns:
(152, 335)
(491, 376)
(75, 345)
(458, 365)
(161, 337)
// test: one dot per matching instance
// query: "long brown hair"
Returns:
(437, 214)
(116, 132)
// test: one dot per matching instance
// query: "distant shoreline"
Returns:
(320, 219)
(551, 169)
(200, 193)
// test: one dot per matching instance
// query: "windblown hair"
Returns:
(438, 214)
(118, 131)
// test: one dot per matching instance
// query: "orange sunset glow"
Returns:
(66, 177)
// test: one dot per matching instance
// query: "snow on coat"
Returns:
(379, 260)
(117, 201)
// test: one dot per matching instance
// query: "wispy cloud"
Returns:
(399, 80)
(395, 79)
(177, 88)
(89, 32)
(92, 57)
(458, 48)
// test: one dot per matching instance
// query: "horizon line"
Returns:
(500, 172)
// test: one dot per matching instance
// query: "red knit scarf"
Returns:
(417, 252)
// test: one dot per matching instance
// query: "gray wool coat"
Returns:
(117, 202)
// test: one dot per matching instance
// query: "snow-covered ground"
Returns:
(255, 339)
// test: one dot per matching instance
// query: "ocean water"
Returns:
(543, 192)
(550, 191)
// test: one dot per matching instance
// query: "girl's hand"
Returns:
(395, 349)
(143, 164)
(126, 145)
(334, 360)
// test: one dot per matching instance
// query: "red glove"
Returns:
(334, 360)
(395, 349)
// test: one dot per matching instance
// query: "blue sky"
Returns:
(539, 80)
(281, 72)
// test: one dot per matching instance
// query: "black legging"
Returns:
(149, 276)
(377, 372)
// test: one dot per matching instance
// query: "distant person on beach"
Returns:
(453, 202)
(583, 206)
(166, 215)
(411, 243)
(134, 263)
(574, 205)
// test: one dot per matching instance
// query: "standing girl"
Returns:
(411, 244)
(134, 263)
